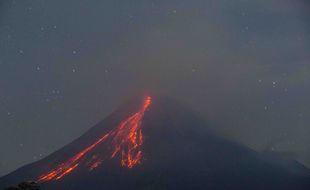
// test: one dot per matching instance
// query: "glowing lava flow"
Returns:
(126, 142)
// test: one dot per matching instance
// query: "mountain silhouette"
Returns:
(158, 143)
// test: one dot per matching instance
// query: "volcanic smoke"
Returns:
(126, 141)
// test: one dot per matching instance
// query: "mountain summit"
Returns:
(157, 143)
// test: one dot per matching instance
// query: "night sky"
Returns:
(65, 65)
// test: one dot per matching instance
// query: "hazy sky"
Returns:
(65, 65)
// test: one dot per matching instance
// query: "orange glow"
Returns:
(126, 141)
(95, 165)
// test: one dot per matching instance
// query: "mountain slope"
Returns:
(158, 143)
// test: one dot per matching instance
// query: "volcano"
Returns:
(158, 143)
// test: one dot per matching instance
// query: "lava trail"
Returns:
(126, 141)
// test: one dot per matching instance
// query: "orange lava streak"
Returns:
(68, 166)
(67, 171)
(126, 141)
(128, 138)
